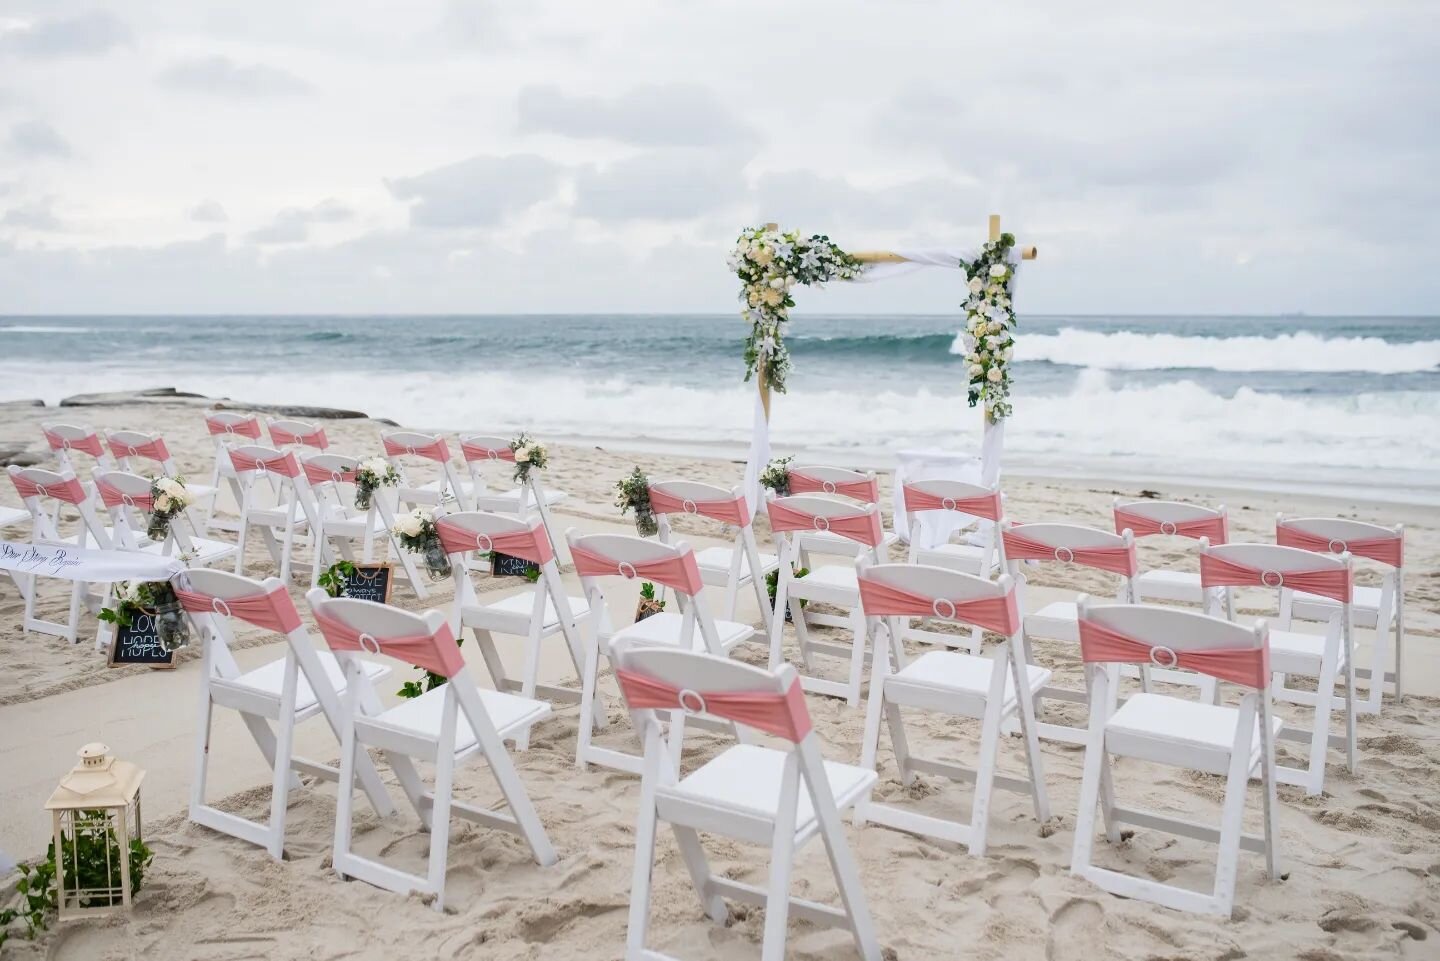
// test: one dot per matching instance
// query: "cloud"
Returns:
(479, 192)
(224, 77)
(660, 185)
(292, 225)
(810, 202)
(36, 139)
(473, 24)
(656, 115)
(35, 215)
(208, 212)
(86, 35)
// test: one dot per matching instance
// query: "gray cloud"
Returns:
(35, 215)
(473, 24)
(479, 192)
(661, 185)
(810, 202)
(225, 77)
(208, 212)
(292, 225)
(656, 115)
(36, 139)
(86, 35)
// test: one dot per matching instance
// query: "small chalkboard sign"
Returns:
(370, 582)
(506, 565)
(140, 644)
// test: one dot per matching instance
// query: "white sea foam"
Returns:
(45, 329)
(1301, 351)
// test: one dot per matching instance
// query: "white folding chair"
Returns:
(287, 434)
(1150, 518)
(285, 692)
(131, 445)
(508, 497)
(861, 486)
(963, 505)
(601, 556)
(35, 487)
(294, 512)
(65, 439)
(540, 611)
(445, 726)
(339, 524)
(1085, 547)
(834, 584)
(780, 797)
(227, 428)
(1329, 658)
(1237, 743)
(730, 567)
(993, 690)
(433, 448)
(1379, 609)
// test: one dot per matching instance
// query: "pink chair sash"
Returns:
(273, 611)
(283, 464)
(679, 572)
(250, 427)
(437, 451)
(867, 490)
(861, 528)
(315, 438)
(112, 496)
(150, 450)
(437, 653)
(783, 715)
(1387, 550)
(531, 544)
(1000, 614)
(1336, 583)
(1119, 559)
(70, 491)
(732, 510)
(1241, 665)
(1214, 528)
(987, 506)
(89, 444)
(473, 452)
(316, 474)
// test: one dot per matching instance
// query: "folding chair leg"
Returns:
(345, 788)
(857, 656)
(1032, 741)
(640, 878)
(985, 779)
(899, 743)
(1107, 799)
(440, 811)
(1093, 770)
(590, 700)
(693, 854)
(777, 901)
(280, 776)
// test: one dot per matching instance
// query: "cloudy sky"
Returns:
(483, 156)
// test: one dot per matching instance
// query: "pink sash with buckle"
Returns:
(1119, 559)
(679, 572)
(69, 491)
(530, 544)
(437, 450)
(867, 490)
(1242, 665)
(732, 510)
(783, 715)
(1336, 583)
(999, 614)
(1387, 550)
(1214, 528)
(437, 653)
(89, 444)
(987, 506)
(274, 611)
(861, 528)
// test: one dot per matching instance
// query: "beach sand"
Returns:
(1363, 859)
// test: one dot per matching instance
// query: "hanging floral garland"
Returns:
(989, 321)
(769, 264)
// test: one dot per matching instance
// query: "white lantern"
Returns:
(92, 812)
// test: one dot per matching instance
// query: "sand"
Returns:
(1363, 858)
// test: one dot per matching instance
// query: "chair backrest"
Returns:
(1337, 535)
(400, 443)
(350, 625)
(703, 500)
(630, 557)
(259, 459)
(921, 590)
(35, 485)
(1145, 518)
(812, 479)
(204, 591)
(1071, 543)
(1277, 567)
(328, 475)
(1170, 638)
(125, 444)
(226, 425)
(941, 494)
(817, 512)
(486, 447)
(64, 438)
(296, 433)
(123, 494)
(465, 531)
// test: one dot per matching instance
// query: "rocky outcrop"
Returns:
(169, 395)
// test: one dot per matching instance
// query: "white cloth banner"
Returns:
(759, 457)
(80, 564)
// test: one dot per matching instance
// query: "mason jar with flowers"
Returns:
(371, 474)
(417, 534)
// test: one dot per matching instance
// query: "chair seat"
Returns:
(717, 560)
(1171, 585)
(276, 516)
(962, 557)
(1364, 601)
(1058, 620)
(511, 497)
(13, 515)
(746, 779)
(1179, 732)
(269, 679)
(520, 606)
(199, 492)
(828, 542)
(835, 577)
(664, 629)
(1292, 652)
(429, 493)
(956, 673)
(340, 522)
(421, 716)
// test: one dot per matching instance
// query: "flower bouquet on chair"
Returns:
(168, 500)
(634, 489)
(776, 476)
(529, 455)
(154, 599)
(417, 534)
(371, 474)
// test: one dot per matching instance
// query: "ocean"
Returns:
(1322, 404)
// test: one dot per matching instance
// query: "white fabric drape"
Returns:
(94, 566)
(758, 458)
(937, 527)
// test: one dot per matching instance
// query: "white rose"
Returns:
(522, 454)
(993, 326)
(1009, 352)
(778, 283)
(992, 342)
(976, 370)
(408, 525)
(162, 503)
(168, 485)
(994, 375)
(976, 285)
(998, 270)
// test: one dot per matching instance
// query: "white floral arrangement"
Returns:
(770, 264)
(529, 454)
(989, 324)
(417, 534)
(168, 499)
(371, 474)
